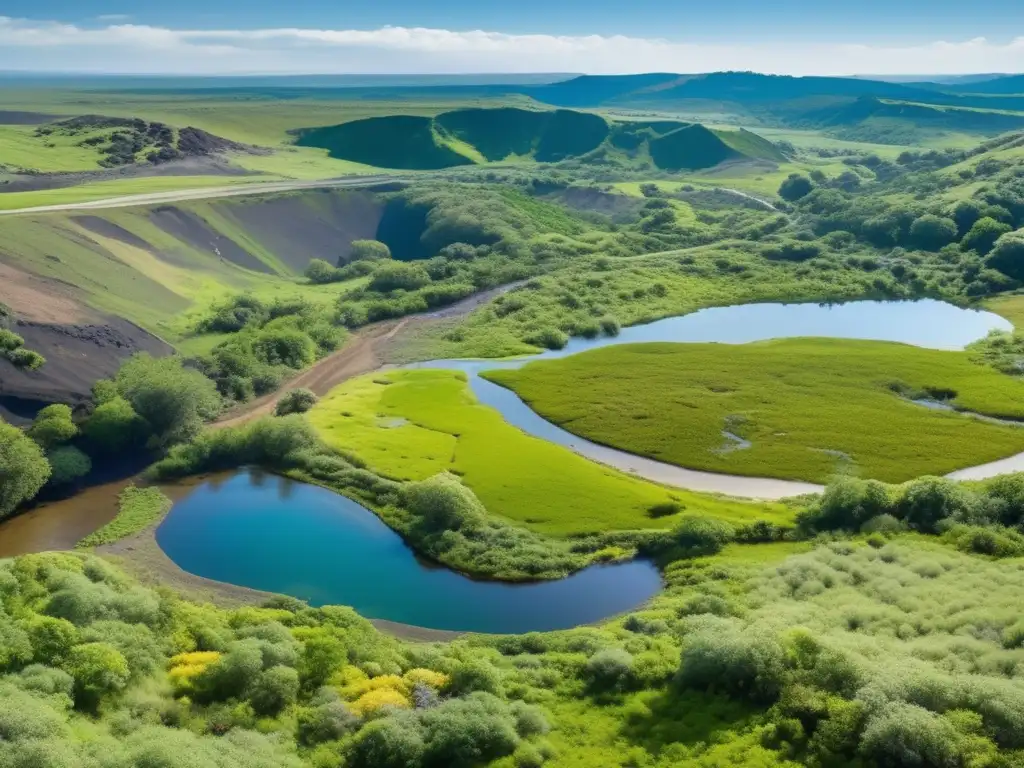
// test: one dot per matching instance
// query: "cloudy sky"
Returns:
(452, 36)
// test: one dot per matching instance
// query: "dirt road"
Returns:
(362, 354)
(209, 193)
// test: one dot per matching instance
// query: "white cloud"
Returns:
(123, 47)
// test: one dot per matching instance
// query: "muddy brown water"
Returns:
(60, 524)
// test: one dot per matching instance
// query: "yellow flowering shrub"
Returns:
(185, 667)
(372, 702)
(436, 680)
(384, 682)
(348, 675)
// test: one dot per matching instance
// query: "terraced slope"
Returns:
(154, 265)
(468, 136)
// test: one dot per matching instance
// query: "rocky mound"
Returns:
(125, 141)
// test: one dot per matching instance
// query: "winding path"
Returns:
(209, 193)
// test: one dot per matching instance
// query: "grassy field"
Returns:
(412, 424)
(1010, 306)
(803, 404)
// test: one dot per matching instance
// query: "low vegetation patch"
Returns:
(414, 424)
(808, 407)
(137, 508)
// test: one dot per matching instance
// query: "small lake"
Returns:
(269, 533)
(925, 323)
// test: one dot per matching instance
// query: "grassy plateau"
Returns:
(808, 407)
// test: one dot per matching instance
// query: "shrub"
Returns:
(295, 401)
(928, 500)
(23, 469)
(114, 426)
(931, 233)
(391, 742)
(609, 670)
(369, 250)
(462, 733)
(473, 676)
(908, 735)
(549, 338)
(320, 272)
(9, 340)
(52, 639)
(26, 359)
(609, 326)
(329, 720)
(442, 503)
(702, 535)
(99, 670)
(983, 235)
(743, 661)
(173, 400)
(274, 690)
(68, 465)
(395, 276)
(795, 187)
(1007, 255)
(53, 426)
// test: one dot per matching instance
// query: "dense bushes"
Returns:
(12, 348)
(976, 519)
(23, 469)
(268, 343)
(172, 400)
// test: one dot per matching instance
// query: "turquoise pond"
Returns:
(266, 532)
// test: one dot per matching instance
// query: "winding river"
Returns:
(925, 323)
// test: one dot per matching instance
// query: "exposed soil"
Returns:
(77, 356)
(190, 228)
(40, 299)
(317, 225)
(14, 117)
(618, 207)
(104, 228)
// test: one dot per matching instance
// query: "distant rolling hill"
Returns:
(1004, 85)
(474, 136)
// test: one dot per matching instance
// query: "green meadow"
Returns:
(808, 407)
(412, 424)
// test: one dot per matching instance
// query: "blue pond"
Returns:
(266, 532)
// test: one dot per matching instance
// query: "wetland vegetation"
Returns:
(871, 624)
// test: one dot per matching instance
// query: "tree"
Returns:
(394, 276)
(795, 187)
(1008, 255)
(24, 469)
(99, 669)
(931, 233)
(319, 271)
(173, 400)
(965, 214)
(68, 464)
(369, 250)
(295, 401)
(984, 234)
(442, 503)
(53, 426)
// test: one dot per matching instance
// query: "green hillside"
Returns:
(395, 141)
(465, 136)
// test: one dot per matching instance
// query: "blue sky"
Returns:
(791, 36)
